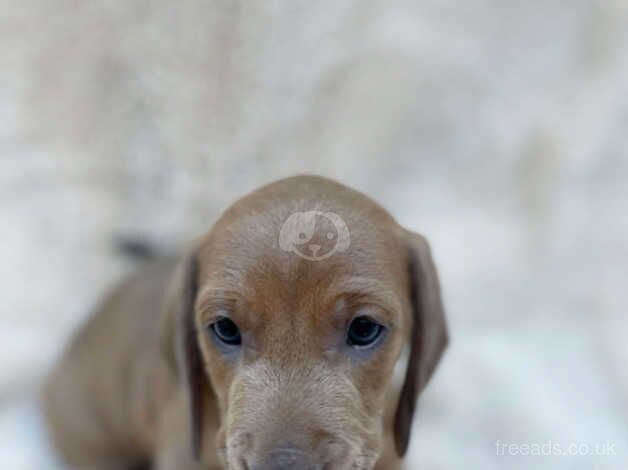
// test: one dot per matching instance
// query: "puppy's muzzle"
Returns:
(285, 459)
(329, 454)
(301, 417)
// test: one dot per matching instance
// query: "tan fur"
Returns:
(145, 365)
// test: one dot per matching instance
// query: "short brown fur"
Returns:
(145, 381)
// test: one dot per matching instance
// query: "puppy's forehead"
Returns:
(243, 251)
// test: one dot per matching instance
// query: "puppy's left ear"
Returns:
(180, 344)
(428, 338)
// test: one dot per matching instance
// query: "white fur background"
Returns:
(497, 128)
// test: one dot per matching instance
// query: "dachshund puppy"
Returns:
(270, 345)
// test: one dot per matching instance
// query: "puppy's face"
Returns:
(299, 351)
(314, 235)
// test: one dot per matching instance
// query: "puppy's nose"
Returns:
(314, 248)
(286, 459)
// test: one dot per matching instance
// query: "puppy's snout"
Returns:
(284, 455)
(285, 459)
(298, 418)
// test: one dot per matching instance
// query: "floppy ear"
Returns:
(180, 344)
(428, 336)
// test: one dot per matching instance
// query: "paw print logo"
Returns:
(314, 235)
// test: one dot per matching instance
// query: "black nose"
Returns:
(286, 459)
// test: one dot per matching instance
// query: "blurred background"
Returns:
(499, 129)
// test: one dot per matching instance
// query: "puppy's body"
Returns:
(144, 366)
(100, 401)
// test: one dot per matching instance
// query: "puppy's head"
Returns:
(299, 351)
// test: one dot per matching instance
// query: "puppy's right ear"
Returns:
(428, 337)
(180, 343)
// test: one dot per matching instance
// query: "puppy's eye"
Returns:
(226, 331)
(363, 332)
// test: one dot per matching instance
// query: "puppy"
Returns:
(271, 344)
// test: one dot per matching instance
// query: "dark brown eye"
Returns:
(226, 331)
(363, 332)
